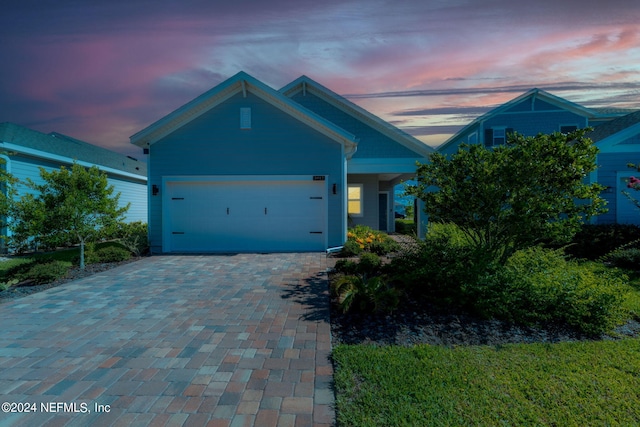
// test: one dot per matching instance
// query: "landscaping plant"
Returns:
(361, 286)
(513, 196)
(364, 239)
(72, 204)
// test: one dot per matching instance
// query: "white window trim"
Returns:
(361, 200)
(503, 137)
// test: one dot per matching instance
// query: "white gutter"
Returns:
(44, 155)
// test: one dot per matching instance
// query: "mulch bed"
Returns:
(419, 322)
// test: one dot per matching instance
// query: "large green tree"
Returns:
(72, 204)
(513, 196)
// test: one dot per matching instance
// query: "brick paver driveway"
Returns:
(233, 340)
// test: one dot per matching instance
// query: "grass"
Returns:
(568, 384)
(564, 384)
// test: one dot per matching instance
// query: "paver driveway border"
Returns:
(215, 340)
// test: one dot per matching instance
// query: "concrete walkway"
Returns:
(236, 340)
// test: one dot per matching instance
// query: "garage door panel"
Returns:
(222, 216)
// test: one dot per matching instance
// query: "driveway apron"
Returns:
(216, 340)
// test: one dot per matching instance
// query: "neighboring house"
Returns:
(25, 151)
(531, 113)
(246, 168)
(619, 144)
(616, 133)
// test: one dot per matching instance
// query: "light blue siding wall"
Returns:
(276, 144)
(372, 143)
(610, 165)
(369, 199)
(131, 190)
(533, 123)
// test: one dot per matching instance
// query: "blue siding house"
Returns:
(619, 144)
(25, 151)
(247, 168)
(531, 113)
(616, 133)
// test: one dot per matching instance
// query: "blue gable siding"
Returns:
(372, 143)
(532, 123)
(276, 144)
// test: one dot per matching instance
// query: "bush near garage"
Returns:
(364, 239)
(361, 286)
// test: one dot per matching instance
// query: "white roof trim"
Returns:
(612, 143)
(67, 160)
(241, 82)
(308, 85)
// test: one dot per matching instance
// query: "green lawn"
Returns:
(592, 383)
(564, 384)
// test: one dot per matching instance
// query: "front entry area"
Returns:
(245, 214)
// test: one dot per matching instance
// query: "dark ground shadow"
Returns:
(313, 294)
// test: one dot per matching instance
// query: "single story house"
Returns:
(247, 168)
(616, 133)
(25, 151)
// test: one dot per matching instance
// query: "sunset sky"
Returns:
(101, 70)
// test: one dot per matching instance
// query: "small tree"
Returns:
(511, 197)
(76, 203)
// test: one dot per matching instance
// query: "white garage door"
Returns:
(245, 216)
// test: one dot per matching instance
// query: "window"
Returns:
(499, 136)
(496, 136)
(354, 200)
(568, 128)
(245, 118)
(473, 138)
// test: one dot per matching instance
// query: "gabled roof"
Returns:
(608, 129)
(240, 83)
(533, 93)
(57, 144)
(304, 83)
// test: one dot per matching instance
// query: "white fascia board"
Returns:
(62, 159)
(309, 118)
(357, 112)
(611, 144)
(183, 115)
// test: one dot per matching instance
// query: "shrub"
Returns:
(364, 238)
(371, 294)
(133, 236)
(346, 267)
(594, 241)
(362, 285)
(46, 272)
(439, 266)
(538, 286)
(112, 254)
(628, 258)
(351, 248)
(368, 264)
(405, 226)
